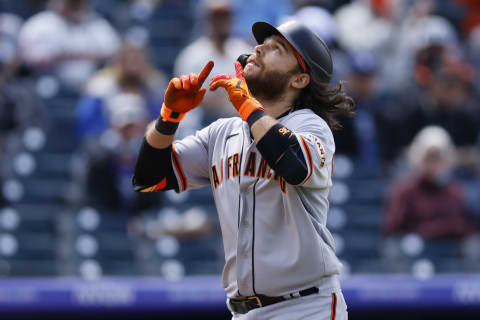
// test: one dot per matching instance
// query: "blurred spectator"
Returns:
(368, 25)
(111, 160)
(69, 40)
(429, 203)
(473, 49)
(368, 137)
(471, 18)
(130, 72)
(470, 26)
(19, 105)
(447, 100)
(218, 45)
(373, 26)
(423, 42)
(10, 25)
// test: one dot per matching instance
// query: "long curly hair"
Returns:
(326, 103)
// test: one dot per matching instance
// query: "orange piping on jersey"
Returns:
(333, 164)
(309, 156)
(334, 306)
(158, 186)
(282, 185)
(178, 167)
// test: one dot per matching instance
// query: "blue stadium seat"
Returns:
(366, 218)
(45, 190)
(52, 165)
(204, 256)
(441, 249)
(32, 267)
(360, 245)
(36, 245)
(115, 246)
(367, 191)
(36, 217)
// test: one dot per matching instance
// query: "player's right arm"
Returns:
(157, 166)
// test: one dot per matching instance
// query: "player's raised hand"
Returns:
(238, 92)
(239, 70)
(184, 93)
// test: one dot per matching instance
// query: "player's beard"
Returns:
(269, 85)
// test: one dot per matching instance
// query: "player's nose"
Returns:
(259, 50)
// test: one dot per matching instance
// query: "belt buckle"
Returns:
(257, 299)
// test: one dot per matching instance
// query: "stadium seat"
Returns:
(36, 217)
(366, 218)
(38, 245)
(367, 191)
(32, 267)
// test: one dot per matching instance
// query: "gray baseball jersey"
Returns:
(274, 234)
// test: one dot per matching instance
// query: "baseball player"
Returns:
(269, 169)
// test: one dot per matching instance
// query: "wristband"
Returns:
(169, 115)
(166, 127)
(248, 107)
(254, 116)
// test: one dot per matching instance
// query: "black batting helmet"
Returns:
(308, 44)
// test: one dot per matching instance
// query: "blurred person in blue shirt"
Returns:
(111, 159)
(131, 72)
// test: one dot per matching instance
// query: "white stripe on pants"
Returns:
(315, 306)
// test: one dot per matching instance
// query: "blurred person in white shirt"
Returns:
(217, 44)
(69, 40)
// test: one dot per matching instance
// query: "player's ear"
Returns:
(300, 80)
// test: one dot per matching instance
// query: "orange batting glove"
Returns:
(183, 94)
(238, 92)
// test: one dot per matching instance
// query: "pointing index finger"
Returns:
(238, 70)
(204, 73)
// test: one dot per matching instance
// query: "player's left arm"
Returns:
(280, 147)
(301, 151)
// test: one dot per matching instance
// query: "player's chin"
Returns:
(251, 71)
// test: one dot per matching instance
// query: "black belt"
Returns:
(258, 301)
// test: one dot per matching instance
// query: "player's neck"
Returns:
(275, 108)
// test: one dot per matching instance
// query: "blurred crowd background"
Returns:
(80, 79)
